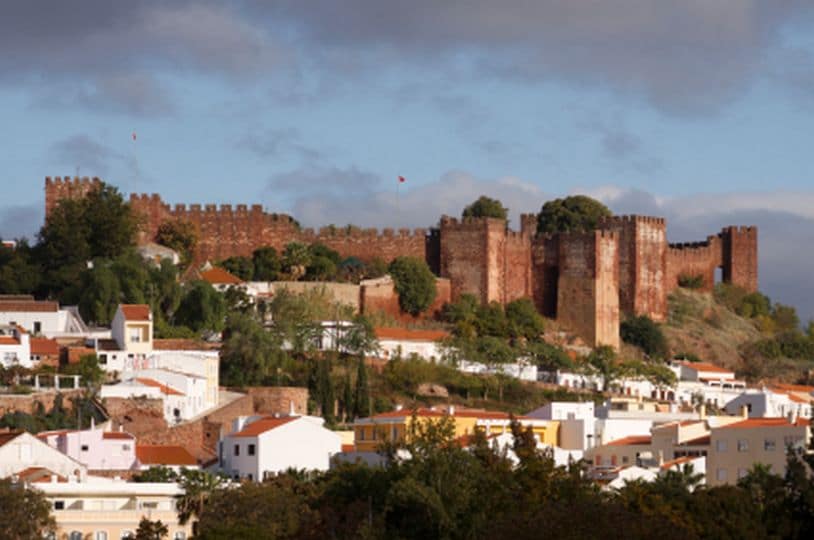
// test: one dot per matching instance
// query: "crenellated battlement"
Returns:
(630, 219)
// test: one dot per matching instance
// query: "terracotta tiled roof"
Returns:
(44, 346)
(801, 388)
(700, 441)
(30, 306)
(797, 399)
(136, 312)
(7, 340)
(348, 448)
(406, 413)
(182, 345)
(404, 334)
(763, 422)
(703, 366)
(458, 412)
(678, 461)
(117, 435)
(163, 387)
(154, 454)
(107, 345)
(9, 436)
(633, 440)
(218, 276)
(264, 424)
(38, 474)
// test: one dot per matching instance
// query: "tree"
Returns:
(414, 283)
(151, 530)
(603, 361)
(247, 354)
(361, 395)
(201, 308)
(325, 395)
(157, 474)
(267, 264)
(100, 293)
(19, 271)
(523, 319)
(574, 213)
(111, 224)
(242, 267)
(785, 317)
(198, 487)
(486, 207)
(24, 513)
(89, 370)
(642, 332)
(178, 235)
(296, 258)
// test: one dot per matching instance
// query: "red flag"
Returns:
(134, 135)
(402, 180)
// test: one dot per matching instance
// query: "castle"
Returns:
(585, 280)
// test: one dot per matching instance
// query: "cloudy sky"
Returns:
(698, 111)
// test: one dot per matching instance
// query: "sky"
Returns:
(697, 111)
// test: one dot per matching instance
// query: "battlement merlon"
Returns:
(630, 219)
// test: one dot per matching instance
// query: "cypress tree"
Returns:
(361, 408)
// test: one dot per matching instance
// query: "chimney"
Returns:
(744, 411)
(291, 411)
(702, 411)
(92, 423)
(661, 458)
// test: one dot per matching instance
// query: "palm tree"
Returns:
(198, 487)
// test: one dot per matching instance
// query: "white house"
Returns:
(41, 317)
(263, 445)
(21, 450)
(97, 449)
(15, 347)
(184, 395)
(403, 342)
(762, 403)
(577, 422)
(132, 331)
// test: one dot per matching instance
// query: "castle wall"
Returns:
(545, 270)
(588, 300)
(739, 256)
(464, 260)
(642, 260)
(694, 259)
(380, 296)
(58, 188)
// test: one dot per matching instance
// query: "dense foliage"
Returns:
(574, 213)
(414, 282)
(178, 235)
(486, 207)
(644, 333)
(25, 513)
(447, 492)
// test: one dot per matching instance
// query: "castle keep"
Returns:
(587, 281)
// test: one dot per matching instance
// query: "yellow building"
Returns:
(391, 426)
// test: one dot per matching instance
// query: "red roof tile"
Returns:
(633, 440)
(264, 424)
(44, 346)
(760, 422)
(348, 448)
(136, 312)
(9, 436)
(117, 435)
(6, 340)
(703, 366)
(405, 334)
(700, 441)
(155, 454)
(29, 306)
(163, 387)
(218, 276)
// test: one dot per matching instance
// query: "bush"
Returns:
(523, 318)
(642, 332)
(486, 207)
(688, 281)
(574, 213)
(415, 284)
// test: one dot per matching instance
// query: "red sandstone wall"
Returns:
(642, 262)
(740, 257)
(379, 295)
(464, 256)
(588, 286)
(59, 188)
(545, 253)
(696, 259)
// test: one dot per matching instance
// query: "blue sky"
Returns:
(698, 111)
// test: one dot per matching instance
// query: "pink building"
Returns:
(97, 449)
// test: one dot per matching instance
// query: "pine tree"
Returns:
(361, 407)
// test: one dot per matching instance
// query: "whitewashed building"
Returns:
(260, 446)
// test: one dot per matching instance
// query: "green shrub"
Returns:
(691, 281)
(642, 332)
(415, 284)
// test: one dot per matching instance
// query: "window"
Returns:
(101, 535)
(720, 445)
(180, 535)
(237, 450)
(37, 327)
(721, 475)
(743, 445)
(625, 460)
(135, 335)
(84, 447)
(75, 535)
(769, 445)
(59, 505)
(250, 450)
(103, 359)
(361, 434)
(126, 447)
